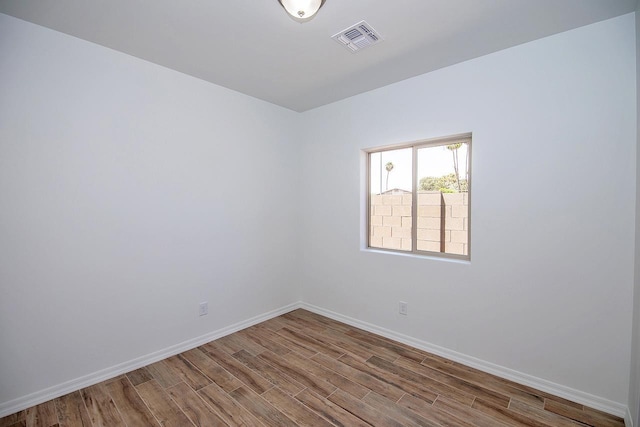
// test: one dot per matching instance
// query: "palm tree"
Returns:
(454, 152)
(389, 168)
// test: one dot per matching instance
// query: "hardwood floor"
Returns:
(302, 369)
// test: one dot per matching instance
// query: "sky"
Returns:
(432, 161)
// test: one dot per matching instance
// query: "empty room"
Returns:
(319, 213)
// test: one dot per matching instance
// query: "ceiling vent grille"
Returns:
(358, 36)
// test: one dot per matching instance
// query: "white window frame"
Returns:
(415, 145)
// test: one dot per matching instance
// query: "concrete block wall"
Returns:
(390, 222)
(443, 222)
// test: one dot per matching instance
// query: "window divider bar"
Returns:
(414, 199)
(443, 214)
(369, 230)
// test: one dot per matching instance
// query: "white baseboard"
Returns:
(13, 406)
(577, 396)
(614, 408)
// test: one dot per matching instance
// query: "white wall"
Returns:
(548, 290)
(129, 193)
(634, 389)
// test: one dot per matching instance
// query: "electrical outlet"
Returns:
(204, 308)
(402, 308)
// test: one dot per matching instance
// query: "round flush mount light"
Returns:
(302, 10)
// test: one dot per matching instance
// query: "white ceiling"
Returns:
(253, 47)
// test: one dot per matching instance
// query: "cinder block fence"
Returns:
(442, 220)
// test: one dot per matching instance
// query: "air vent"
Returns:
(358, 36)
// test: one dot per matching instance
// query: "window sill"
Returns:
(417, 256)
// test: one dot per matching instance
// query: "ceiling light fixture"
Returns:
(302, 10)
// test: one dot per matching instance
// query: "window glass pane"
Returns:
(443, 202)
(390, 199)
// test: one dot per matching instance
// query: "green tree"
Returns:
(445, 184)
(389, 168)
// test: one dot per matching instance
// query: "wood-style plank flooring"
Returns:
(302, 369)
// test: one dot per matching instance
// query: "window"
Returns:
(419, 197)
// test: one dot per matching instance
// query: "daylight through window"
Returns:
(419, 197)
